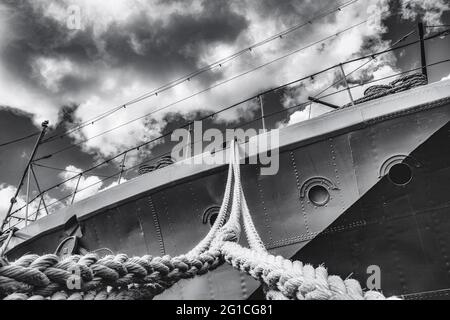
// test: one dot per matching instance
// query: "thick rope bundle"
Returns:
(401, 84)
(161, 163)
(119, 277)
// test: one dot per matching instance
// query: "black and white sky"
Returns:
(125, 48)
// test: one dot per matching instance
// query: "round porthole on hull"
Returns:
(400, 174)
(210, 215)
(399, 169)
(318, 195)
(317, 191)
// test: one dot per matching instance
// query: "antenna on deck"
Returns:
(28, 171)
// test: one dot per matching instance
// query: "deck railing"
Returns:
(263, 119)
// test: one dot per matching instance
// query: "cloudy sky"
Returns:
(122, 49)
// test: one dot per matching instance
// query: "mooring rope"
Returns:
(118, 277)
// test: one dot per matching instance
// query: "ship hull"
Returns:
(367, 220)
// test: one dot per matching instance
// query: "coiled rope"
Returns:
(118, 277)
(401, 84)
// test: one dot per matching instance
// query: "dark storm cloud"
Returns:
(290, 11)
(174, 46)
(36, 35)
(67, 113)
(145, 46)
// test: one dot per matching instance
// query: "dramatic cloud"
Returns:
(359, 41)
(128, 47)
(430, 11)
(122, 50)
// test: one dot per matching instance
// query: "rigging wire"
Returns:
(372, 58)
(63, 170)
(242, 125)
(445, 32)
(253, 97)
(217, 64)
(248, 99)
(270, 90)
(209, 88)
(243, 74)
(351, 87)
(19, 139)
(439, 26)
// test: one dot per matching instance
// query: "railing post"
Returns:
(38, 209)
(346, 84)
(28, 194)
(122, 166)
(262, 113)
(189, 150)
(423, 58)
(76, 188)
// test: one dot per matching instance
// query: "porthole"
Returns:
(318, 195)
(210, 215)
(400, 174)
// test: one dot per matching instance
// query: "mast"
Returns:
(30, 161)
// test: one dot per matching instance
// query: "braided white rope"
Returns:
(283, 278)
(220, 220)
(253, 237)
